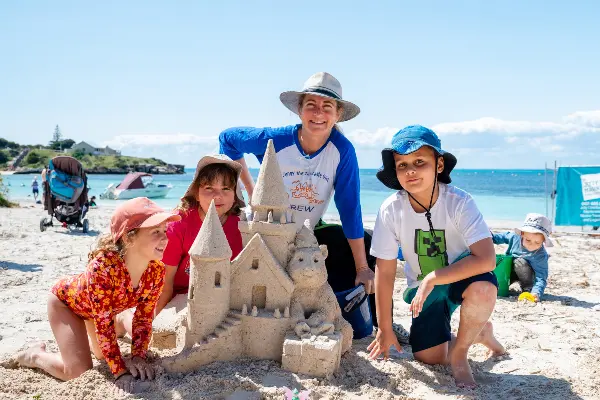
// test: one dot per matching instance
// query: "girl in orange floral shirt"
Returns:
(123, 272)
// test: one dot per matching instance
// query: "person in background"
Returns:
(35, 188)
(527, 245)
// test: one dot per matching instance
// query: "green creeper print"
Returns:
(431, 250)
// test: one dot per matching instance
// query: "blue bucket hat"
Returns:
(406, 141)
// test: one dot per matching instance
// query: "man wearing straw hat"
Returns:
(317, 162)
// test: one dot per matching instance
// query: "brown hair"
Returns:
(107, 244)
(339, 106)
(208, 175)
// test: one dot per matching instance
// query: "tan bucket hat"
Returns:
(218, 159)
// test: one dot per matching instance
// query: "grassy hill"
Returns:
(39, 156)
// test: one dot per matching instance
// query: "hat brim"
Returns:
(290, 99)
(531, 229)
(159, 218)
(387, 173)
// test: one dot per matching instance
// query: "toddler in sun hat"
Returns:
(527, 245)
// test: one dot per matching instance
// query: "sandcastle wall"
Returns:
(263, 335)
(277, 236)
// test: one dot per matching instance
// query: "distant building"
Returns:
(92, 150)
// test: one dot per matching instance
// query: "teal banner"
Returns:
(578, 196)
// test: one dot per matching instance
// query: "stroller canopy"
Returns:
(133, 180)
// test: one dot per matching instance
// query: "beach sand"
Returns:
(554, 346)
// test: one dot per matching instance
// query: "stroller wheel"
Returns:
(86, 225)
(43, 224)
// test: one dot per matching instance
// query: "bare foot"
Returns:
(486, 337)
(461, 370)
(26, 358)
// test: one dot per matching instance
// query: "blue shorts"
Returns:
(432, 326)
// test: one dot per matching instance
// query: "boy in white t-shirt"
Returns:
(449, 256)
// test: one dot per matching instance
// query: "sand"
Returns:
(554, 346)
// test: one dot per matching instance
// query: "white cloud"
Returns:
(503, 127)
(364, 138)
(175, 139)
(585, 118)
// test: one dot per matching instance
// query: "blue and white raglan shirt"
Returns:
(538, 259)
(309, 179)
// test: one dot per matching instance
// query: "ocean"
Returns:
(501, 195)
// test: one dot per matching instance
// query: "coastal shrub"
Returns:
(3, 157)
(79, 154)
(32, 157)
(3, 196)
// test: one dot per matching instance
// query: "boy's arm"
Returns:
(540, 267)
(385, 273)
(502, 238)
(482, 259)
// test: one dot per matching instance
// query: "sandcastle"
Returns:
(271, 302)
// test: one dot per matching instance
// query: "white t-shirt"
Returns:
(457, 223)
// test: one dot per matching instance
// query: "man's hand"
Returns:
(365, 276)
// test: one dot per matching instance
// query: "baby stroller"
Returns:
(66, 194)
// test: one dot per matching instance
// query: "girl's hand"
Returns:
(141, 368)
(124, 384)
(383, 340)
(416, 306)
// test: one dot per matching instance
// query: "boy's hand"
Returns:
(536, 297)
(416, 306)
(384, 339)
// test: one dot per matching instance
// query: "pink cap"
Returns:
(140, 212)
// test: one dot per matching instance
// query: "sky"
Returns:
(505, 84)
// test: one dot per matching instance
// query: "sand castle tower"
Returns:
(209, 292)
(271, 216)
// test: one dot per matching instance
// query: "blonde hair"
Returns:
(339, 106)
(106, 244)
(208, 175)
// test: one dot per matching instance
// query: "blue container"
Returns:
(359, 316)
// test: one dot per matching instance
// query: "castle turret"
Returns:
(210, 274)
(271, 215)
(269, 193)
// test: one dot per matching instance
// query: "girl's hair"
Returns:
(209, 174)
(107, 244)
(340, 110)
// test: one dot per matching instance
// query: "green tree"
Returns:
(3, 157)
(56, 136)
(67, 144)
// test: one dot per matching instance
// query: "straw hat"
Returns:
(324, 85)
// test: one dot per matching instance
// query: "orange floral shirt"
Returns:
(103, 291)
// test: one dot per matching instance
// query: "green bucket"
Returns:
(502, 271)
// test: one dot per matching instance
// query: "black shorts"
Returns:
(432, 326)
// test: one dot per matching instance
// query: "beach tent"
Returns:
(577, 199)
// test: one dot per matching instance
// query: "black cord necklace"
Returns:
(428, 210)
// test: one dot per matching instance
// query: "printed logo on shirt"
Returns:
(431, 251)
(307, 191)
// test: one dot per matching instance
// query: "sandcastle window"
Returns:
(217, 279)
(191, 293)
(255, 263)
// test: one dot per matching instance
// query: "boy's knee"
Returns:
(481, 292)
